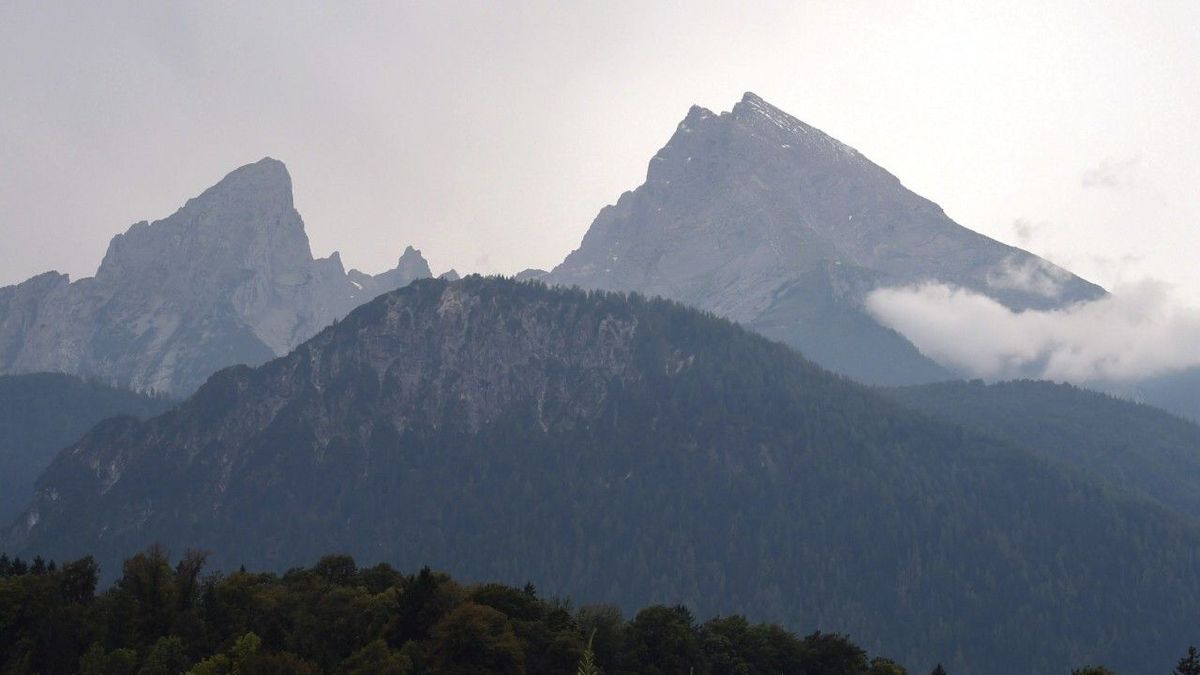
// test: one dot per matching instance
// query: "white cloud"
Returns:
(1033, 275)
(1136, 332)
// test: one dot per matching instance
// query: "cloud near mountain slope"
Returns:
(1138, 331)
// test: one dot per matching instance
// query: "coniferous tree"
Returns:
(939, 670)
(1189, 664)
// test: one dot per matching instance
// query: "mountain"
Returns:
(765, 220)
(635, 450)
(229, 278)
(1132, 447)
(42, 413)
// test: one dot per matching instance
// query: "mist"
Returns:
(1136, 332)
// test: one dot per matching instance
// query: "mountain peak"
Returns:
(266, 180)
(751, 98)
(754, 107)
(246, 220)
(412, 265)
(763, 219)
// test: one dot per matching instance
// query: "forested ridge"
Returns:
(1132, 447)
(41, 413)
(633, 451)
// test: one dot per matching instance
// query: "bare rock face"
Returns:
(760, 218)
(229, 278)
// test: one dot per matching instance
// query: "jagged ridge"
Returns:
(228, 278)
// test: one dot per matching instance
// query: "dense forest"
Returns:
(1134, 448)
(42, 413)
(633, 451)
(161, 618)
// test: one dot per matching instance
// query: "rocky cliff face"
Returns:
(760, 218)
(229, 278)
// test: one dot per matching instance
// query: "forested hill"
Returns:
(42, 413)
(1135, 448)
(631, 450)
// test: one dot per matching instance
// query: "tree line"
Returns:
(163, 618)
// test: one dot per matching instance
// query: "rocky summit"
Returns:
(763, 219)
(229, 278)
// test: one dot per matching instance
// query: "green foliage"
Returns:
(96, 661)
(474, 639)
(166, 657)
(884, 666)
(377, 657)
(663, 641)
(337, 618)
(1092, 670)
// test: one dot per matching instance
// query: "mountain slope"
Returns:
(41, 414)
(228, 278)
(1135, 448)
(630, 449)
(1176, 392)
(762, 219)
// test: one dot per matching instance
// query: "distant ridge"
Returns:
(228, 278)
(42, 413)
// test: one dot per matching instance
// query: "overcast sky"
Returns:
(489, 134)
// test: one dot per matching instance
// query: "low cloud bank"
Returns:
(1136, 332)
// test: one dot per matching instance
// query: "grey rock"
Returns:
(410, 267)
(760, 218)
(229, 278)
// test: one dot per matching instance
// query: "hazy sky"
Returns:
(489, 134)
